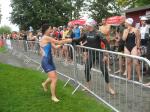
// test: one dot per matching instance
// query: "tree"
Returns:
(132, 3)
(34, 13)
(142, 2)
(103, 9)
(77, 4)
(126, 3)
(5, 29)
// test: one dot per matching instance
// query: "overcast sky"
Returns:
(5, 11)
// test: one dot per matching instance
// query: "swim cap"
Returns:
(91, 22)
(129, 21)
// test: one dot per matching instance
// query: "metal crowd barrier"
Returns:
(130, 94)
(74, 64)
(65, 62)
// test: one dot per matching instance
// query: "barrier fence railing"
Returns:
(31, 52)
(86, 67)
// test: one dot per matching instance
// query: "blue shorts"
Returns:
(47, 64)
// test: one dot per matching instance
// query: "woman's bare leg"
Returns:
(110, 89)
(136, 62)
(120, 65)
(126, 51)
(45, 84)
(108, 64)
(148, 84)
(53, 76)
(85, 56)
(88, 85)
(65, 53)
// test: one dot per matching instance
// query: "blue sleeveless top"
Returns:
(47, 50)
(47, 60)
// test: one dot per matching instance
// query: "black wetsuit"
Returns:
(130, 41)
(93, 39)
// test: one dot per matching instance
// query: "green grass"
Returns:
(2, 49)
(21, 91)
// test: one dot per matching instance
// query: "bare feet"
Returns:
(109, 69)
(140, 79)
(55, 99)
(111, 91)
(84, 89)
(125, 73)
(44, 87)
(148, 84)
(118, 71)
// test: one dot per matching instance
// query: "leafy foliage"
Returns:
(77, 7)
(58, 12)
(5, 29)
(132, 3)
(36, 12)
(103, 8)
(142, 2)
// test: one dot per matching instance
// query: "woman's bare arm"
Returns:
(125, 34)
(138, 38)
(52, 40)
(55, 46)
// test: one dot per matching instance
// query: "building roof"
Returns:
(137, 9)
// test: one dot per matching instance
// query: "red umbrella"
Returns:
(79, 21)
(115, 20)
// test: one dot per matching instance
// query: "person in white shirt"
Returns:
(145, 40)
(144, 29)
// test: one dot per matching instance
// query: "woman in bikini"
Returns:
(131, 36)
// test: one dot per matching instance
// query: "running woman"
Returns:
(93, 38)
(46, 45)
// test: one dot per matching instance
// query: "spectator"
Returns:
(119, 34)
(76, 31)
(144, 30)
(144, 35)
(59, 33)
(65, 32)
(105, 29)
(65, 48)
(24, 35)
(70, 52)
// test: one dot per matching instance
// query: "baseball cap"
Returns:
(143, 18)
